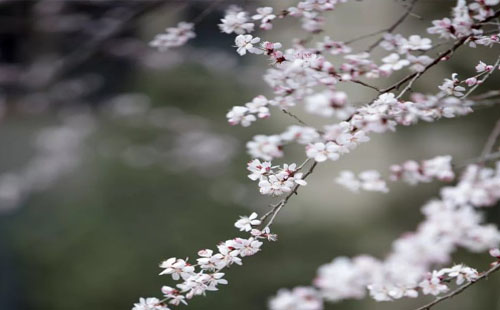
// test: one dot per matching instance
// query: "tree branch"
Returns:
(459, 290)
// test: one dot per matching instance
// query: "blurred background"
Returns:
(115, 156)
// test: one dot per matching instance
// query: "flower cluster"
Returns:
(266, 16)
(236, 21)
(205, 275)
(369, 180)
(249, 113)
(174, 36)
(299, 69)
(462, 22)
(329, 103)
(450, 222)
(273, 181)
(413, 172)
(341, 139)
(310, 13)
(300, 298)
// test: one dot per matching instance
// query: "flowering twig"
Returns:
(433, 63)
(459, 290)
(394, 26)
(437, 59)
(486, 76)
(277, 207)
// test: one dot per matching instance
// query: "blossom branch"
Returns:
(441, 56)
(459, 290)
(486, 76)
(394, 26)
(277, 207)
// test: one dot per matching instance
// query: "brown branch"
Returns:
(459, 290)
(294, 117)
(365, 84)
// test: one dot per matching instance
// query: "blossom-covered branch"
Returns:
(484, 275)
(305, 75)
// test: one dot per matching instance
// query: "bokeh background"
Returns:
(115, 156)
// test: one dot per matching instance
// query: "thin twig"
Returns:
(486, 76)
(295, 117)
(365, 84)
(409, 86)
(459, 290)
(366, 36)
(490, 143)
(488, 157)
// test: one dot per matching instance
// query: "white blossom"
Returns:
(393, 63)
(174, 37)
(433, 285)
(321, 151)
(236, 21)
(245, 43)
(300, 298)
(452, 87)
(245, 223)
(177, 268)
(150, 303)
(266, 16)
(415, 43)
